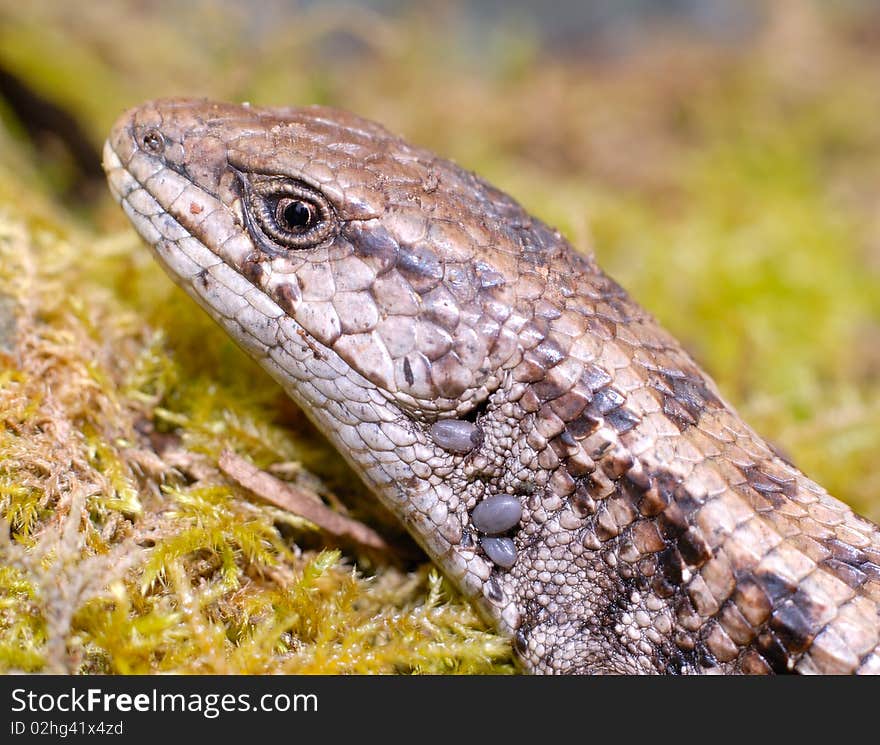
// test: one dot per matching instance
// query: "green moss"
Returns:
(22, 630)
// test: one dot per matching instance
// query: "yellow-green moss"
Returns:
(733, 191)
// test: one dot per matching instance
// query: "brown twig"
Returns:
(298, 501)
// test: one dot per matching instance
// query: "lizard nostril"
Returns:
(153, 141)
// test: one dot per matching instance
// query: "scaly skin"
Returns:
(387, 289)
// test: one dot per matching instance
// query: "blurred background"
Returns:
(721, 157)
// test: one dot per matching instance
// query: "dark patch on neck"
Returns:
(693, 548)
(772, 648)
(794, 626)
(677, 661)
(595, 377)
(622, 420)
(583, 426)
(851, 565)
(777, 588)
(794, 619)
(772, 487)
(658, 494)
(680, 656)
(570, 405)
(684, 395)
(671, 563)
(548, 354)
(591, 404)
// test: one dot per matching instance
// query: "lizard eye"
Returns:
(295, 215)
(289, 213)
(153, 141)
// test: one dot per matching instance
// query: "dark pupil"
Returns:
(296, 215)
(153, 141)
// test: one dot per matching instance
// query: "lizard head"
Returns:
(315, 229)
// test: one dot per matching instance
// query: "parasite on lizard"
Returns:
(552, 449)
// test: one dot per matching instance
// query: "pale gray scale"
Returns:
(236, 249)
(169, 227)
(374, 436)
(196, 251)
(439, 512)
(143, 168)
(316, 281)
(262, 304)
(501, 551)
(144, 226)
(329, 388)
(121, 183)
(441, 307)
(192, 202)
(284, 358)
(320, 372)
(497, 514)
(451, 378)
(410, 225)
(471, 346)
(406, 453)
(175, 260)
(351, 390)
(431, 340)
(401, 436)
(394, 296)
(217, 295)
(380, 397)
(456, 435)
(231, 279)
(143, 203)
(412, 374)
(388, 458)
(247, 341)
(363, 412)
(353, 275)
(424, 453)
(357, 312)
(321, 320)
(337, 408)
(398, 333)
(367, 354)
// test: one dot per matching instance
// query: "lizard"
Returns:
(559, 455)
